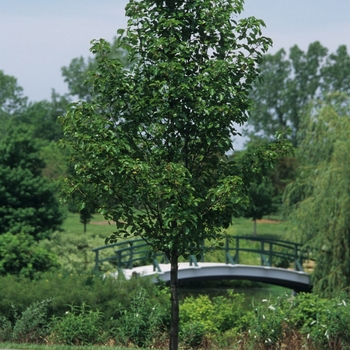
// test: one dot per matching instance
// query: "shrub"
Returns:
(79, 326)
(325, 322)
(109, 295)
(141, 321)
(32, 326)
(192, 334)
(21, 255)
(266, 323)
(199, 311)
(229, 310)
(5, 329)
(202, 318)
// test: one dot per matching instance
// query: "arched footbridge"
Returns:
(242, 257)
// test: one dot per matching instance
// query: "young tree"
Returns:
(319, 199)
(150, 148)
(261, 194)
(85, 217)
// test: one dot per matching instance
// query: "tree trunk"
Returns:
(174, 292)
(254, 227)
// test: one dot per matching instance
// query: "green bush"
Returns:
(215, 315)
(266, 323)
(199, 311)
(202, 318)
(138, 312)
(141, 322)
(20, 255)
(79, 326)
(109, 295)
(114, 298)
(324, 323)
(33, 326)
(192, 334)
(5, 329)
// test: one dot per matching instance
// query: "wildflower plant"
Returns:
(139, 323)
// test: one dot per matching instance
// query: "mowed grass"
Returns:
(98, 226)
(267, 227)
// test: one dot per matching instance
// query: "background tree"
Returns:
(319, 199)
(12, 101)
(288, 84)
(261, 195)
(266, 193)
(85, 217)
(151, 146)
(42, 117)
(27, 200)
(77, 73)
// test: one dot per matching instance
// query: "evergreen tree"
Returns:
(28, 201)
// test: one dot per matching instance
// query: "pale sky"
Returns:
(38, 37)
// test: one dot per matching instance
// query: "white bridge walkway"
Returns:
(297, 280)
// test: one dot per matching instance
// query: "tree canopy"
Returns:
(12, 100)
(319, 198)
(289, 82)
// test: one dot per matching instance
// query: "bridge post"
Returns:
(155, 263)
(119, 254)
(227, 250)
(96, 269)
(131, 256)
(237, 251)
(270, 253)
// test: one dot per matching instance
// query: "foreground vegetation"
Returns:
(88, 310)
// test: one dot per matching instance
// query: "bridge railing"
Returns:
(271, 252)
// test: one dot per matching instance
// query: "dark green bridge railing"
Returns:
(271, 252)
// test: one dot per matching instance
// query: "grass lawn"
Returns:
(98, 226)
(268, 228)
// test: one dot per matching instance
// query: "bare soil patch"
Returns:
(102, 222)
(268, 221)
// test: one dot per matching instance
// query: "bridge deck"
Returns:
(297, 280)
